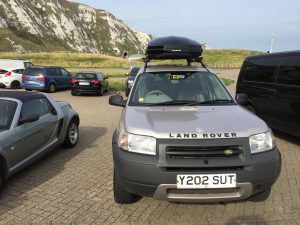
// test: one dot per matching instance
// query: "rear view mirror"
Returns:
(117, 100)
(29, 118)
(242, 99)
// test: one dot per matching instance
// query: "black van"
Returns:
(269, 85)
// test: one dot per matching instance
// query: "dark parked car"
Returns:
(32, 124)
(269, 85)
(89, 83)
(131, 77)
(46, 78)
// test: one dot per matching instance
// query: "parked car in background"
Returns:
(46, 78)
(269, 86)
(89, 83)
(31, 125)
(11, 71)
(131, 77)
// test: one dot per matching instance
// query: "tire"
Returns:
(28, 90)
(52, 88)
(1, 182)
(126, 92)
(73, 93)
(122, 196)
(72, 135)
(260, 197)
(100, 92)
(15, 85)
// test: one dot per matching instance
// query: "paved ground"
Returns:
(75, 185)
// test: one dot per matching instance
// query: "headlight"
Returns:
(261, 142)
(130, 82)
(137, 143)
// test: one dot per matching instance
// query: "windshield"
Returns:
(7, 111)
(86, 76)
(177, 88)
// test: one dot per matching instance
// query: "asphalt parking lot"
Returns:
(74, 186)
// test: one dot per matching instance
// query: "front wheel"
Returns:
(122, 196)
(72, 135)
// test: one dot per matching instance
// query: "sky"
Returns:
(223, 24)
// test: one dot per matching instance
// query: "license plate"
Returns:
(206, 181)
(31, 82)
(84, 83)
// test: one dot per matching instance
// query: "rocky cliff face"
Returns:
(55, 25)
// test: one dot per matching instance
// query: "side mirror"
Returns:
(126, 74)
(242, 99)
(105, 78)
(29, 119)
(117, 100)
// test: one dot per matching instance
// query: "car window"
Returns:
(38, 107)
(33, 72)
(19, 71)
(261, 70)
(100, 76)
(28, 64)
(289, 71)
(177, 86)
(56, 72)
(3, 71)
(86, 76)
(7, 112)
(64, 72)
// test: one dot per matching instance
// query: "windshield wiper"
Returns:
(169, 103)
(211, 102)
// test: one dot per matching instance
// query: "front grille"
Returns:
(202, 191)
(203, 152)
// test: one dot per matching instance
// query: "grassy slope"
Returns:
(118, 65)
(87, 60)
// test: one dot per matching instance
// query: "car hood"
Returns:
(192, 121)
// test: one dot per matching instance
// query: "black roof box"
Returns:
(173, 48)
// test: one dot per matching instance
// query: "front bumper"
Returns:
(154, 177)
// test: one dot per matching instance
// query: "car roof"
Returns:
(165, 68)
(22, 96)
(42, 67)
(275, 54)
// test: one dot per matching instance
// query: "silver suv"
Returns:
(182, 137)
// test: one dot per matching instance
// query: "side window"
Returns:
(289, 71)
(261, 70)
(19, 71)
(3, 71)
(64, 72)
(49, 71)
(56, 72)
(38, 106)
(27, 64)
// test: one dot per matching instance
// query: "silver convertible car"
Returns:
(31, 125)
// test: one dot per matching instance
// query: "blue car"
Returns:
(46, 78)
